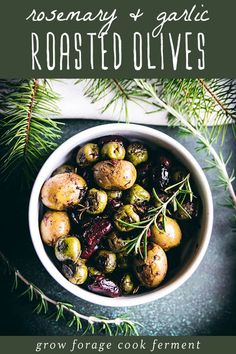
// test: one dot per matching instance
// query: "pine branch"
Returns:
(28, 134)
(113, 93)
(203, 101)
(199, 131)
(218, 101)
(87, 324)
(208, 101)
(29, 115)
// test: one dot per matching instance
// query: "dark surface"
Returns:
(204, 305)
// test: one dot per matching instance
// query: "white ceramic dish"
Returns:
(193, 252)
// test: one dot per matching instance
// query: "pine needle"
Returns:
(28, 134)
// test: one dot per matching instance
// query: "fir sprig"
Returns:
(203, 101)
(199, 131)
(210, 101)
(28, 133)
(113, 93)
(83, 323)
(138, 244)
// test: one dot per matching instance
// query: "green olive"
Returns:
(187, 211)
(96, 201)
(106, 261)
(168, 238)
(116, 243)
(76, 273)
(136, 153)
(127, 284)
(152, 270)
(54, 224)
(160, 198)
(68, 248)
(123, 260)
(87, 155)
(137, 195)
(93, 272)
(126, 214)
(65, 169)
(114, 195)
(63, 191)
(178, 175)
(113, 150)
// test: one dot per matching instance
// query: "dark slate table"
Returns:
(204, 305)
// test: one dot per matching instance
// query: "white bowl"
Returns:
(194, 251)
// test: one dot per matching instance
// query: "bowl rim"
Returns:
(68, 146)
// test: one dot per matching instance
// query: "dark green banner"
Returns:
(115, 345)
(90, 38)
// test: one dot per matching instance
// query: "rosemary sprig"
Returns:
(87, 324)
(138, 244)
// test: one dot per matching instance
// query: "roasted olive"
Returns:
(64, 169)
(115, 174)
(168, 233)
(76, 273)
(106, 261)
(63, 191)
(152, 270)
(54, 225)
(127, 284)
(109, 138)
(87, 155)
(113, 205)
(96, 201)
(104, 286)
(136, 153)
(178, 175)
(93, 235)
(126, 214)
(93, 272)
(160, 177)
(187, 211)
(165, 161)
(114, 195)
(137, 195)
(123, 260)
(160, 198)
(115, 243)
(68, 248)
(145, 169)
(113, 150)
